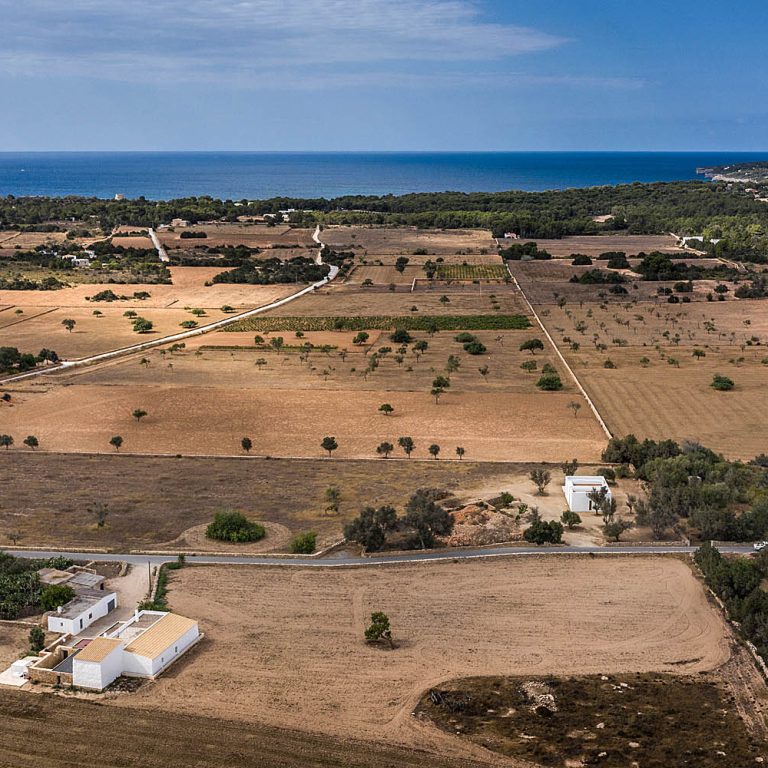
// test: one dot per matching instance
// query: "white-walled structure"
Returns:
(577, 489)
(98, 664)
(87, 606)
(143, 646)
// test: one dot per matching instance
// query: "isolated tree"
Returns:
(144, 361)
(441, 382)
(6, 441)
(361, 338)
(407, 444)
(260, 363)
(329, 444)
(544, 532)
(460, 452)
(31, 442)
(386, 409)
(541, 479)
(699, 353)
(434, 450)
(529, 366)
(15, 537)
(575, 406)
(246, 444)
(570, 467)
(384, 449)
(36, 639)
(453, 364)
(116, 442)
(401, 263)
(420, 347)
(379, 629)
(332, 500)
(142, 325)
(531, 345)
(277, 343)
(100, 510)
(436, 392)
(69, 324)
(631, 501)
(571, 519)
(484, 370)
(138, 414)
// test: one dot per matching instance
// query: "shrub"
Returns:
(234, 527)
(465, 337)
(544, 532)
(549, 382)
(580, 260)
(722, 383)
(304, 543)
(475, 348)
(401, 336)
(36, 639)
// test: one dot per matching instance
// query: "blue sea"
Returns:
(258, 175)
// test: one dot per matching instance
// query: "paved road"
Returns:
(348, 561)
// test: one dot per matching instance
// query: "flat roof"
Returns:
(161, 635)
(98, 649)
(85, 599)
(85, 579)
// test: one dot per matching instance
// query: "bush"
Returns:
(475, 348)
(36, 639)
(722, 383)
(465, 337)
(549, 382)
(580, 260)
(401, 336)
(234, 527)
(55, 595)
(544, 532)
(304, 543)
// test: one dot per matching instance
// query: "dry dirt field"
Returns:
(154, 500)
(204, 402)
(39, 325)
(300, 661)
(252, 235)
(662, 399)
(403, 241)
(594, 245)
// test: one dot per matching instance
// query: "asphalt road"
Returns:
(348, 561)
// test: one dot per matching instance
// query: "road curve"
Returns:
(366, 562)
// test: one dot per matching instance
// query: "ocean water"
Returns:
(258, 175)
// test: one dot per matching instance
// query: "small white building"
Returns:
(577, 489)
(87, 606)
(144, 646)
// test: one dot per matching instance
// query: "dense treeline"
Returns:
(682, 207)
(718, 499)
(271, 271)
(738, 583)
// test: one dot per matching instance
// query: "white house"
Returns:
(143, 646)
(87, 606)
(577, 489)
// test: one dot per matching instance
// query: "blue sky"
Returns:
(383, 75)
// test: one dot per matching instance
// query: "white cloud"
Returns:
(329, 41)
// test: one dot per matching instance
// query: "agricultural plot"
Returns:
(403, 241)
(650, 367)
(472, 272)
(449, 620)
(31, 320)
(366, 274)
(201, 400)
(53, 494)
(594, 245)
(252, 235)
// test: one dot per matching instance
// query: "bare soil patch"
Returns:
(405, 240)
(594, 245)
(303, 662)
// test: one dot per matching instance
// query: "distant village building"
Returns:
(179, 223)
(511, 236)
(577, 490)
(119, 196)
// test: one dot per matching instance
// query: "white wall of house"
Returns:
(577, 490)
(170, 654)
(97, 675)
(75, 624)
